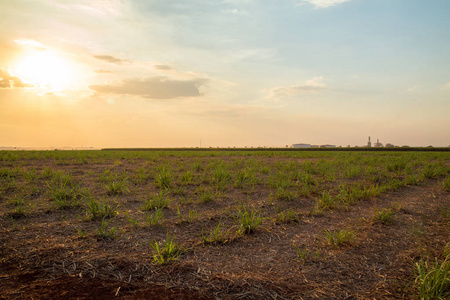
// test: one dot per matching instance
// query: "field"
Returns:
(223, 224)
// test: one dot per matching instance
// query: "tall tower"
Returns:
(369, 144)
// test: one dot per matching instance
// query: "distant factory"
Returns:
(369, 144)
(378, 144)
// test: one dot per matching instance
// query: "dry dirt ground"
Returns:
(55, 254)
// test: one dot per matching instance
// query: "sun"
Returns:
(45, 69)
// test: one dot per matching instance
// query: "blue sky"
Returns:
(231, 73)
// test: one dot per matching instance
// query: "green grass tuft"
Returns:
(288, 216)
(339, 237)
(158, 201)
(446, 183)
(384, 216)
(433, 279)
(104, 232)
(167, 251)
(248, 221)
(216, 236)
(100, 209)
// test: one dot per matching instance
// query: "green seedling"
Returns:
(339, 237)
(248, 221)
(284, 194)
(31, 175)
(317, 210)
(167, 251)
(180, 216)
(65, 195)
(327, 201)
(197, 166)
(433, 279)
(242, 178)
(100, 209)
(192, 216)
(446, 183)
(288, 216)
(158, 201)
(221, 178)
(164, 179)
(104, 232)
(179, 191)
(18, 202)
(384, 216)
(308, 179)
(81, 233)
(305, 255)
(117, 187)
(142, 176)
(216, 236)
(8, 183)
(187, 177)
(155, 217)
(133, 222)
(206, 196)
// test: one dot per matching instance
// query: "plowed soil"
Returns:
(52, 253)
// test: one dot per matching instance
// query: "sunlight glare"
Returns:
(45, 69)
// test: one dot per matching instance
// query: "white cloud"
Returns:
(9, 81)
(316, 82)
(312, 85)
(153, 88)
(413, 88)
(99, 8)
(325, 3)
(101, 71)
(111, 59)
(254, 54)
(29, 42)
(163, 67)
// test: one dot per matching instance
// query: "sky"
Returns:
(224, 73)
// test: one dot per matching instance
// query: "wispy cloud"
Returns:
(32, 43)
(154, 87)
(413, 88)
(94, 8)
(312, 85)
(112, 59)
(100, 71)
(254, 54)
(9, 81)
(162, 67)
(325, 3)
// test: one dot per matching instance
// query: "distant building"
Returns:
(301, 146)
(312, 146)
(378, 144)
(369, 144)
